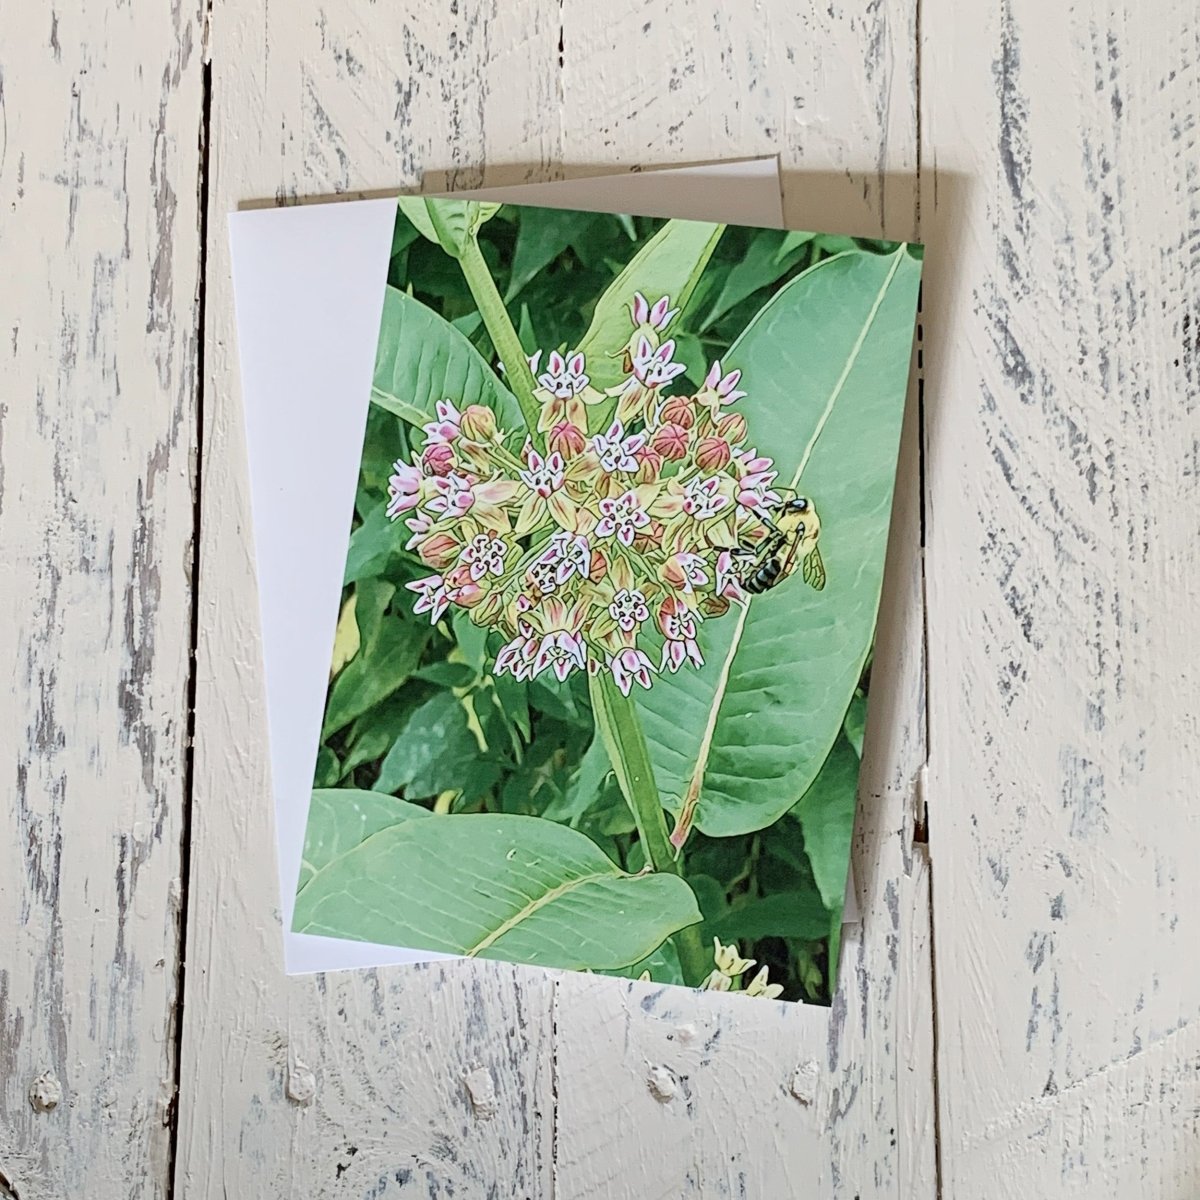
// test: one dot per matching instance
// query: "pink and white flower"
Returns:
(484, 555)
(622, 516)
(616, 451)
(404, 488)
(657, 315)
(543, 476)
(628, 667)
(628, 609)
(756, 474)
(420, 524)
(562, 651)
(433, 597)
(703, 498)
(723, 387)
(653, 367)
(543, 579)
(568, 554)
(686, 571)
(516, 658)
(454, 495)
(447, 426)
(563, 377)
(728, 582)
(678, 625)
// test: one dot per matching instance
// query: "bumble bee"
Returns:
(793, 528)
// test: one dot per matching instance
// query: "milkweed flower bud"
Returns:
(478, 423)
(599, 567)
(649, 463)
(732, 427)
(567, 439)
(671, 441)
(678, 410)
(438, 550)
(438, 458)
(712, 453)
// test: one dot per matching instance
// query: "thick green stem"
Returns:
(621, 731)
(517, 374)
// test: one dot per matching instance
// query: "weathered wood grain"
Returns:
(100, 113)
(571, 1115)
(834, 95)
(1061, 197)
(1058, 157)
(430, 1082)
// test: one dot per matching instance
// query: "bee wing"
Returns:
(813, 567)
(789, 562)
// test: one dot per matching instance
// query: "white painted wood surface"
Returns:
(1051, 156)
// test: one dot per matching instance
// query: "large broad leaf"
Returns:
(341, 818)
(767, 258)
(543, 234)
(433, 750)
(826, 814)
(516, 888)
(447, 221)
(389, 650)
(825, 365)
(784, 914)
(422, 359)
(669, 264)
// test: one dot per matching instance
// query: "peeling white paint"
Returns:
(1062, 346)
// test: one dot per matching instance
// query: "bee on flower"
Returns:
(595, 551)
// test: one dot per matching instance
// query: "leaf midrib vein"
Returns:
(533, 906)
(710, 727)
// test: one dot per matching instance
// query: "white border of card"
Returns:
(308, 288)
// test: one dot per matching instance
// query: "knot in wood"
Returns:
(301, 1083)
(45, 1092)
(662, 1084)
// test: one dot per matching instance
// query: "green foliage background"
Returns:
(415, 713)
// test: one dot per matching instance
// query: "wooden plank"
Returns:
(100, 110)
(765, 1100)
(303, 124)
(402, 1082)
(1062, 391)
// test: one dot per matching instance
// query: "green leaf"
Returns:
(389, 652)
(448, 222)
(765, 260)
(372, 544)
(371, 736)
(792, 241)
(670, 264)
(586, 787)
(428, 754)
(826, 814)
(663, 966)
(783, 914)
(544, 233)
(341, 818)
(855, 724)
(825, 364)
(515, 888)
(447, 674)
(328, 768)
(422, 359)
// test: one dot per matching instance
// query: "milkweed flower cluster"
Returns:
(607, 548)
(729, 967)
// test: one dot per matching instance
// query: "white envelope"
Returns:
(309, 286)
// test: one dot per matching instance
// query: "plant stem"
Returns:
(517, 374)
(621, 731)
